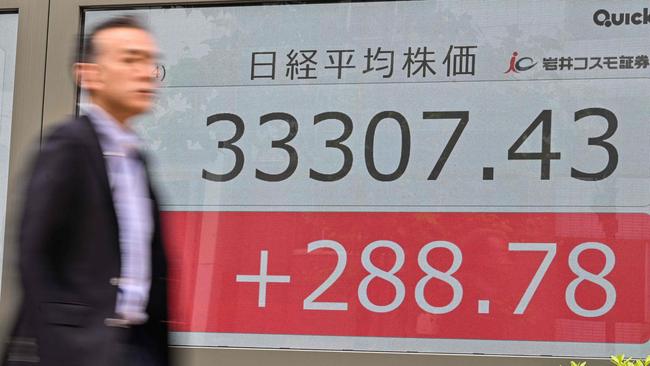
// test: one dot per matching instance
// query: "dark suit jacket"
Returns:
(70, 258)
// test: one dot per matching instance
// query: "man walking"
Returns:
(92, 262)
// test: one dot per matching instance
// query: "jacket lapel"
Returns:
(96, 157)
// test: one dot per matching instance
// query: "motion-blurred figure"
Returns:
(92, 262)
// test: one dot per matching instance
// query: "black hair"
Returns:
(88, 49)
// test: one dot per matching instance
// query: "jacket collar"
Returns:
(96, 156)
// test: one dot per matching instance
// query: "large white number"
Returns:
(378, 272)
(310, 302)
(598, 279)
(550, 249)
(443, 276)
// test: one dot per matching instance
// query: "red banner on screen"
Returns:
(492, 276)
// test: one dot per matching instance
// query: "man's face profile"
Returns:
(120, 78)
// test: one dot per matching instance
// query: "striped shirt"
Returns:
(133, 207)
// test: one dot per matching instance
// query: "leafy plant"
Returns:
(620, 360)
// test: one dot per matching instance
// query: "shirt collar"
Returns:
(113, 137)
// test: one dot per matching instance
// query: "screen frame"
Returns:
(60, 98)
(26, 125)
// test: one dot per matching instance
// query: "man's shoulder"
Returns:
(63, 147)
(69, 139)
(73, 130)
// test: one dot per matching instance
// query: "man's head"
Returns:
(116, 66)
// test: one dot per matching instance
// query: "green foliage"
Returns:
(620, 360)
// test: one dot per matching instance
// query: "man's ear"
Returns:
(86, 75)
